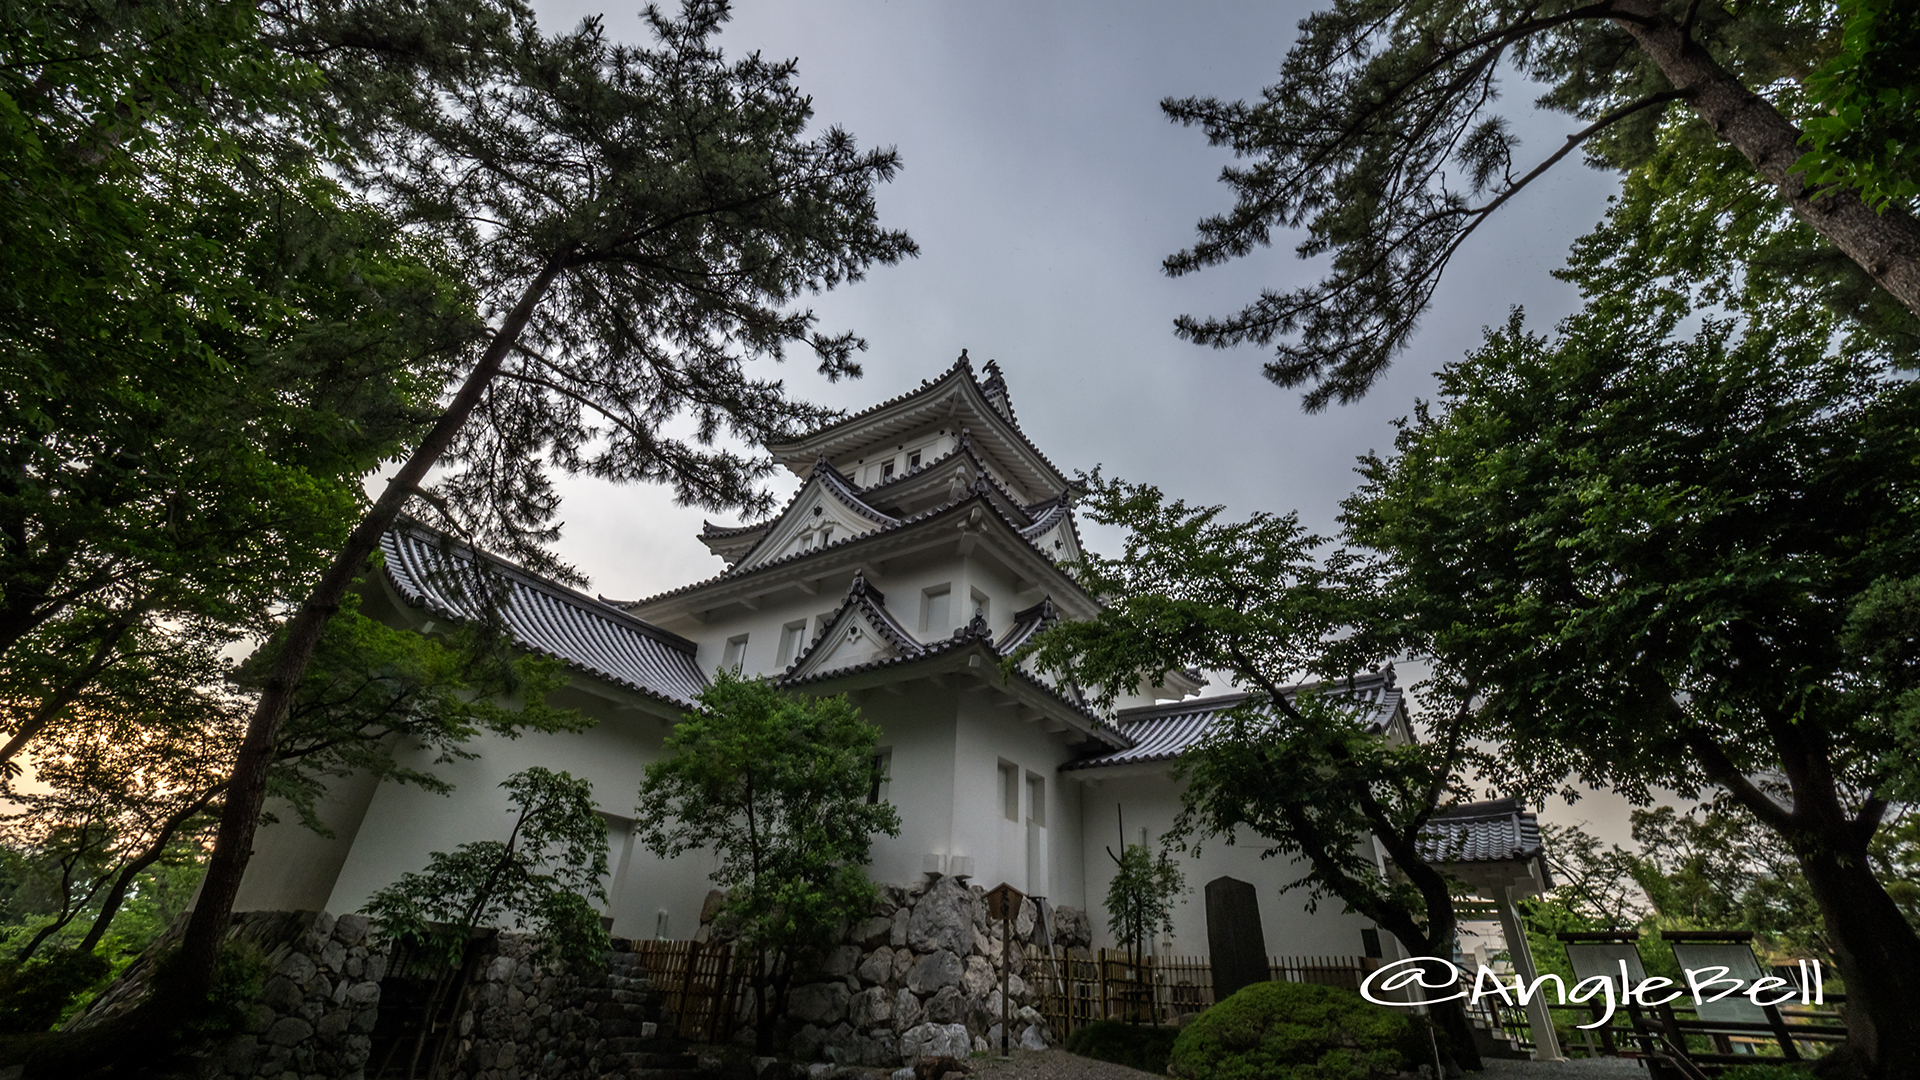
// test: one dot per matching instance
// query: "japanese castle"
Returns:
(925, 544)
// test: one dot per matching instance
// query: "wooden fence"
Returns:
(700, 985)
(1074, 992)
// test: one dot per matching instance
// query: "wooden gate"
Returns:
(699, 985)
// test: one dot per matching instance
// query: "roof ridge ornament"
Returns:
(861, 587)
(995, 390)
(963, 362)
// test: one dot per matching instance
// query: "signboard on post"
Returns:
(1003, 903)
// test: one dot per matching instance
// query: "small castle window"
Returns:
(934, 608)
(913, 460)
(792, 639)
(736, 653)
(886, 471)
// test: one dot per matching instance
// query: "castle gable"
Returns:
(861, 632)
(825, 511)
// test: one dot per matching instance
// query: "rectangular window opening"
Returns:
(793, 640)
(736, 654)
(882, 775)
(935, 609)
(886, 471)
(1037, 799)
(913, 460)
(1010, 789)
(982, 606)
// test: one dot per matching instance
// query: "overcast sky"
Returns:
(1045, 187)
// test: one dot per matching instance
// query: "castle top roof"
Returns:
(955, 397)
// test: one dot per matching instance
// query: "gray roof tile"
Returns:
(431, 571)
(1164, 732)
(1493, 831)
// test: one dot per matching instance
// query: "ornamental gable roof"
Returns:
(828, 659)
(1498, 830)
(1054, 530)
(956, 398)
(1164, 732)
(827, 508)
(455, 581)
(949, 477)
(966, 520)
(861, 631)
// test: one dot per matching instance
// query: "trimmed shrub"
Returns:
(1136, 1046)
(1297, 1031)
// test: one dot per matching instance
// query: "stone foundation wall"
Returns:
(918, 976)
(315, 1015)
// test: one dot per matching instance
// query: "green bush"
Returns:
(1774, 1070)
(1297, 1031)
(1136, 1046)
(34, 994)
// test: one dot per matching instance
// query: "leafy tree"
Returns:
(207, 343)
(1305, 774)
(776, 787)
(639, 223)
(1654, 555)
(1141, 895)
(540, 877)
(1140, 898)
(1384, 142)
(1868, 133)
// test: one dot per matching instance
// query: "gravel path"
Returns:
(1060, 1065)
(1052, 1065)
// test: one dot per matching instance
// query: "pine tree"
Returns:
(1383, 141)
(638, 223)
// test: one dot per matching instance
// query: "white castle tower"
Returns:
(927, 541)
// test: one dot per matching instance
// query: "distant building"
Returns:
(924, 545)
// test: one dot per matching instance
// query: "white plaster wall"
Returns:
(294, 868)
(988, 734)
(404, 824)
(917, 729)
(1152, 801)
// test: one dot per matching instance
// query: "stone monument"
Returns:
(1234, 938)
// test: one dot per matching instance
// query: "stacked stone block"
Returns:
(918, 976)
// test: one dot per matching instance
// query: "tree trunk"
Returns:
(111, 905)
(1885, 244)
(1879, 957)
(247, 787)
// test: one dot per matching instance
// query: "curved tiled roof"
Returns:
(961, 366)
(1498, 830)
(431, 571)
(1026, 624)
(1164, 732)
(974, 632)
(977, 493)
